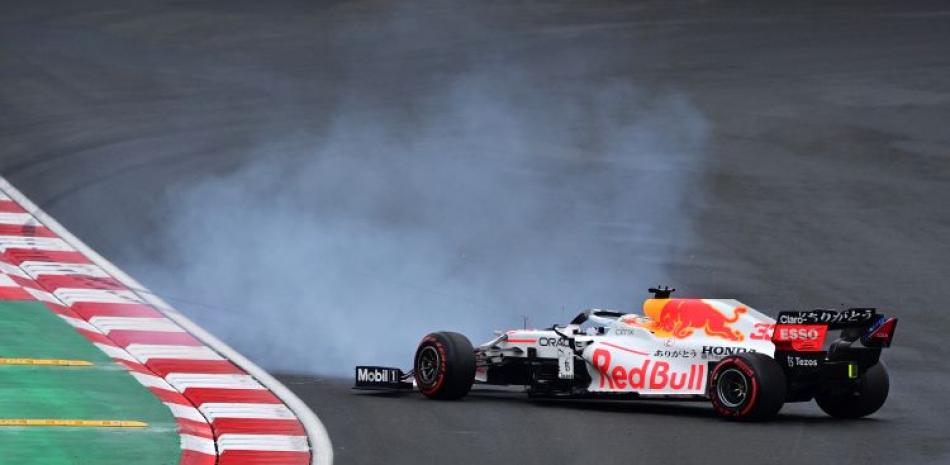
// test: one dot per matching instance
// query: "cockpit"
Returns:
(598, 322)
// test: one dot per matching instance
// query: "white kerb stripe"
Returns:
(19, 219)
(113, 323)
(186, 412)
(115, 352)
(183, 381)
(10, 268)
(146, 352)
(35, 268)
(214, 410)
(322, 452)
(6, 281)
(40, 243)
(73, 296)
(80, 324)
(151, 381)
(197, 444)
(42, 295)
(262, 442)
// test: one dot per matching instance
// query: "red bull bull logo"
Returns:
(680, 318)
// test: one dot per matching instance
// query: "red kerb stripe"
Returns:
(89, 309)
(9, 206)
(135, 366)
(95, 337)
(163, 367)
(25, 231)
(250, 457)
(194, 428)
(14, 293)
(18, 256)
(170, 396)
(257, 426)
(53, 282)
(200, 396)
(124, 337)
(190, 457)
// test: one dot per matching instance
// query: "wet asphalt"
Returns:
(827, 179)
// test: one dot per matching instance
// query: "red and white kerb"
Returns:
(224, 415)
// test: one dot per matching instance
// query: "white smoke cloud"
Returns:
(483, 201)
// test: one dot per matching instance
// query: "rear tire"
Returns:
(444, 366)
(748, 386)
(866, 397)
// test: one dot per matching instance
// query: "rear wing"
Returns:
(799, 339)
(805, 331)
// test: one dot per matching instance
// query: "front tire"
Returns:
(748, 386)
(863, 398)
(444, 366)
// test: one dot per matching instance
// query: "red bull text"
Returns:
(656, 375)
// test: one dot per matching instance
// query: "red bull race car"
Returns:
(744, 362)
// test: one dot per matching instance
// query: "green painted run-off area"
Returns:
(104, 391)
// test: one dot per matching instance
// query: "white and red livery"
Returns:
(745, 362)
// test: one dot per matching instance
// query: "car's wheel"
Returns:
(445, 366)
(747, 386)
(857, 400)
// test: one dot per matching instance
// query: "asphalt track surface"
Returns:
(829, 181)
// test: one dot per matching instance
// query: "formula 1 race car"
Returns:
(746, 363)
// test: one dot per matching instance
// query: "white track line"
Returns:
(321, 448)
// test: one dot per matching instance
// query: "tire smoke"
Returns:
(496, 203)
(477, 201)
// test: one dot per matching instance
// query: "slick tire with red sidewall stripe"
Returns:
(444, 366)
(747, 386)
